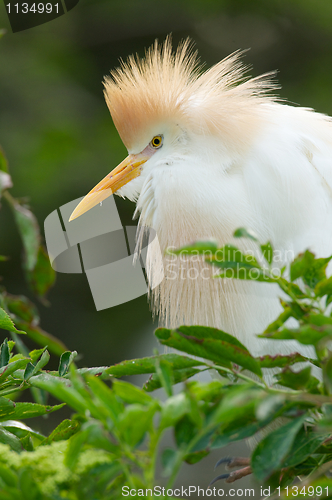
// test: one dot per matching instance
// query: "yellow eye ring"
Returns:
(157, 141)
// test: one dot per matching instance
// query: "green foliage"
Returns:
(211, 344)
(42, 474)
(117, 427)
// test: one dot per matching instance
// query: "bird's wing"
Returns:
(288, 175)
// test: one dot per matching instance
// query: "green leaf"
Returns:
(196, 415)
(7, 437)
(135, 421)
(98, 371)
(238, 406)
(165, 375)
(229, 255)
(42, 277)
(20, 429)
(310, 269)
(32, 369)
(60, 388)
(148, 365)
(79, 388)
(154, 382)
(208, 392)
(7, 475)
(197, 456)
(281, 360)
(27, 443)
(291, 288)
(43, 361)
(245, 233)
(282, 318)
(64, 430)
(295, 380)
(238, 433)
(169, 460)
(22, 308)
(305, 444)
(28, 372)
(317, 273)
(131, 394)
(301, 264)
(297, 310)
(98, 437)
(12, 367)
(11, 345)
(324, 287)
(196, 248)
(306, 334)
(6, 322)
(76, 443)
(318, 319)
(29, 231)
(245, 272)
(202, 445)
(106, 397)
(209, 343)
(11, 410)
(35, 354)
(66, 359)
(174, 409)
(236, 268)
(267, 251)
(4, 353)
(91, 434)
(184, 432)
(271, 452)
(16, 357)
(28, 486)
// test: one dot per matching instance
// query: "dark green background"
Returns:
(60, 141)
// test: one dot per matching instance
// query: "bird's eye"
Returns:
(157, 141)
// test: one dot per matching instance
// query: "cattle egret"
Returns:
(210, 152)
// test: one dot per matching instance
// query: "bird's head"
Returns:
(167, 112)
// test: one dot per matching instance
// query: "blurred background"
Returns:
(59, 139)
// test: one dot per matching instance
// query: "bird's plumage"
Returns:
(232, 156)
(169, 86)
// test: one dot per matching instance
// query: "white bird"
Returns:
(210, 152)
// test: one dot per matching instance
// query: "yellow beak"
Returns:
(127, 170)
